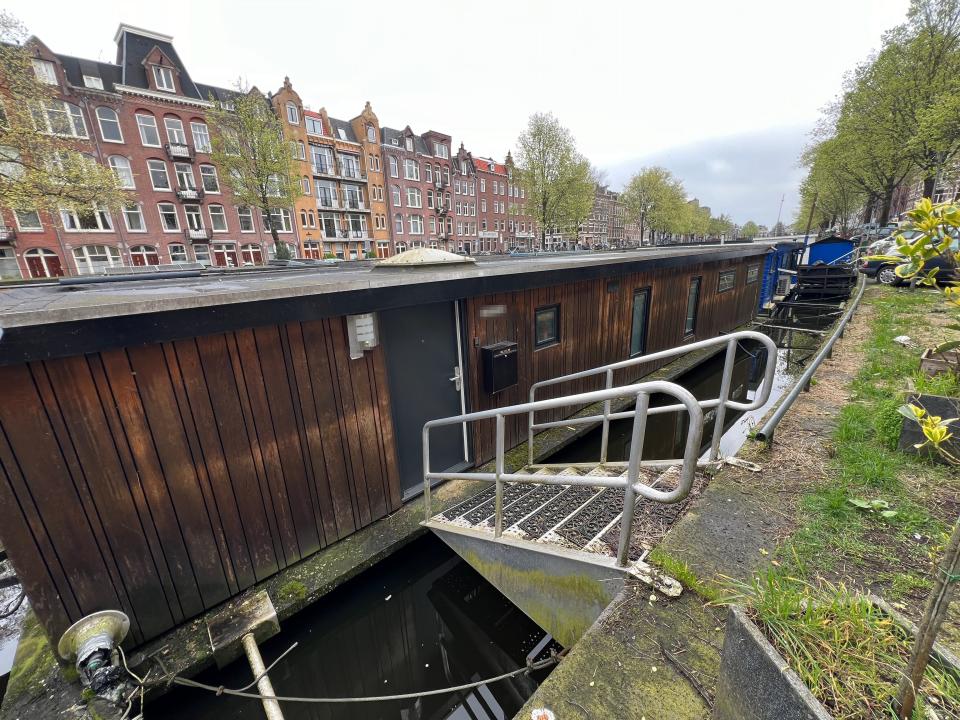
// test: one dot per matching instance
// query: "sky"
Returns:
(723, 94)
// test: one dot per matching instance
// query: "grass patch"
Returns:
(681, 572)
(847, 651)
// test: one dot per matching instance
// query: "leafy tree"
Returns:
(249, 148)
(650, 196)
(555, 177)
(749, 230)
(41, 167)
(721, 226)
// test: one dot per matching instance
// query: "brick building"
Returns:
(418, 172)
(466, 236)
(144, 116)
(521, 230)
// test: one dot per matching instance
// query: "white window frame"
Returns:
(182, 251)
(416, 228)
(126, 218)
(185, 171)
(72, 114)
(414, 197)
(176, 215)
(177, 135)
(201, 137)
(115, 120)
(245, 212)
(101, 214)
(124, 173)
(204, 176)
(222, 215)
(45, 71)
(408, 165)
(93, 81)
(28, 228)
(166, 174)
(82, 255)
(161, 76)
(148, 122)
(293, 114)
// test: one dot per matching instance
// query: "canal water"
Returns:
(666, 433)
(419, 620)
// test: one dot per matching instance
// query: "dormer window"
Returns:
(91, 81)
(293, 115)
(409, 144)
(45, 71)
(371, 133)
(163, 77)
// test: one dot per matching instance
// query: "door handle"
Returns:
(457, 378)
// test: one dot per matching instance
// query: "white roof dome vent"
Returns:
(424, 257)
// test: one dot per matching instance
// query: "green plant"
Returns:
(880, 507)
(935, 429)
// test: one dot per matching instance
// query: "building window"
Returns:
(311, 249)
(350, 166)
(169, 220)
(408, 144)
(371, 134)
(394, 171)
(133, 218)
(141, 255)
(149, 135)
(398, 224)
(328, 224)
(121, 166)
(175, 133)
(693, 302)
(218, 219)
(395, 195)
(158, 174)
(109, 125)
(28, 220)
(547, 326)
(293, 115)
(726, 280)
(305, 185)
(201, 137)
(414, 199)
(202, 253)
(314, 126)
(209, 179)
(416, 225)
(185, 179)
(63, 118)
(279, 219)
(93, 218)
(92, 259)
(322, 160)
(483, 185)
(638, 327)
(163, 77)
(246, 219)
(753, 273)
(178, 253)
(45, 71)
(251, 254)
(411, 170)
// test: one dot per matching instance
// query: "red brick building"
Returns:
(418, 175)
(144, 116)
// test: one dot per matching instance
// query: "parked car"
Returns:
(883, 265)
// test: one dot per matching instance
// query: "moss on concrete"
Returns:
(291, 592)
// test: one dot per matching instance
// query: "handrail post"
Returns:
(426, 472)
(633, 472)
(498, 527)
(725, 382)
(530, 421)
(605, 435)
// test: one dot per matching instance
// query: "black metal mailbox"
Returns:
(499, 366)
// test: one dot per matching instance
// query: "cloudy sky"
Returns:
(721, 93)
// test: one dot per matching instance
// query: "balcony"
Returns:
(328, 203)
(190, 194)
(352, 173)
(198, 234)
(443, 210)
(7, 234)
(354, 235)
(179, 151)
(354, 204)
(324, 169)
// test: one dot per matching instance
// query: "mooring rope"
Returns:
(221, 690)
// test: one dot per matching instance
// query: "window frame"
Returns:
(126, 217)
(555, 338)
(755, 269)
(128, 169)
(166, 174)
(160, 71)
(222, 214)
(28, 228)
(722, 275)
(690, 320)
(156, 129)
(180, 132)
(646, 292)
(115, 120)
(176, 215)
(204, 134)
(214, 175)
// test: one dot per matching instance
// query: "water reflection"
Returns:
(422, 619)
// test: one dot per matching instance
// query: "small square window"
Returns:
(91, 81)
(726, 281)
(547, 326)
(753, 273)
(163, 77)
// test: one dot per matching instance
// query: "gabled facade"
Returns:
(418, 174)
(144, 116)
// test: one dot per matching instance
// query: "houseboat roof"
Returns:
(47, 320)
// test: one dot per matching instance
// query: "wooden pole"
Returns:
(944, 584)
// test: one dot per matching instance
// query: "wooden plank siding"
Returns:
(162, 479)
(595, 323)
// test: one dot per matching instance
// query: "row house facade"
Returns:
(341, 212)
(143, 116)
(418, 173)
(606, 225)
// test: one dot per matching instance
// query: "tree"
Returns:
(257, 163)
(42, 165)
(721, 226)
(555, 177)
(749, 230)
(651, 198)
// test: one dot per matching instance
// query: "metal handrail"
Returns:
(721, 403)
(630, 484)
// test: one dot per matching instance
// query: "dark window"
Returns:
(727, 280)
(693, 301)
(638, 328)
(547, 326)
(753, 272)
